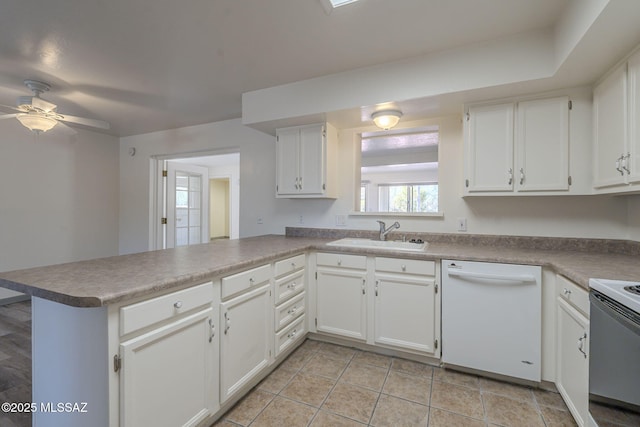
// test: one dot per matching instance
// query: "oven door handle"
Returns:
(618, 312)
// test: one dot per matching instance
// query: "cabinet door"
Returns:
(405, 313)
(245, 339)
(312, 160)
(341, 303)
(633, 150)
(287, 155)
(610, 128)
(167, 374)
(490, 148)
(572, 361)
(542, 145)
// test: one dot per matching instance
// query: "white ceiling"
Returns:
(147, 65)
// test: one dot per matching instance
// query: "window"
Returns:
(399, 171)
(414, 198)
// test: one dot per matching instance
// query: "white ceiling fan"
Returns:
(39, 115)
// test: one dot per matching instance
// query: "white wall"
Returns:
(59, 196)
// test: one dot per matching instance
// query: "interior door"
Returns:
(187, 204)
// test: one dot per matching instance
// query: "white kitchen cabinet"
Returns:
(168, 353)
(341, 289)
(572, 369)
(405, 308)
(518, 147)
(167, 374)
(245, 338)
(305, 161)
(489, 151)
(616, 121)
(289, 302)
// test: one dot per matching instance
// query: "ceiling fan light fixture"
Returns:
(36, 122)
(386, 119)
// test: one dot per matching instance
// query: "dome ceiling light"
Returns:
(386, 119)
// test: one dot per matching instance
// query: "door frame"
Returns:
(157, 189)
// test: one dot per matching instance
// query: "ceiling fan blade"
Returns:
(9, 116)
(66, 129)
(87, 122)
(42, 104)
(9, 107)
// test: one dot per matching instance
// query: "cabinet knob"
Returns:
(404, 267)
(293, 265)
(566, 292)
(177, 304)
(339, 262)
(251, 281)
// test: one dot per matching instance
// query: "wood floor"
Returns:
(15, 360)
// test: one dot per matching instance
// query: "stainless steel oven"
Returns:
(614, 353)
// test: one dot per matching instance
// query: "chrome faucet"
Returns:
(384, 231)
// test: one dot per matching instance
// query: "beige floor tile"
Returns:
(352, 402)
(614, 416)
(277, 380)
(326, 419)
(511, 412)
(455, 377)
(407, 386)
(455, 398)
(326, 366)
(249, 407)
(549, 398)
(337, 351)
(440, 418)
(298, 359)
(502, 388)
(394, 412)
(284, 412)
(374, 359)
(224, 423)
(411, 367)
(363, 375)
(311, 345)
(557, 417)
(309, 389)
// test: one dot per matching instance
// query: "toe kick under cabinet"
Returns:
(382, 301)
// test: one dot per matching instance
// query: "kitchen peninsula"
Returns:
(87, 315)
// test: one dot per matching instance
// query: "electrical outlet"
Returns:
(301, 220)
(462, 224)
(341, 220)
(260, 221)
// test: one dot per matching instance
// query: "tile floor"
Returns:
(323, 384)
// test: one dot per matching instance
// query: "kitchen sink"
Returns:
(391, 245)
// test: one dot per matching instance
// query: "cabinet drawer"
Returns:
(289, 335)
(146, 313)
(341, 260)
(409, 266)
(285, 313)
(247, 279)
(572, 293)
(289, 265)
(288, 286)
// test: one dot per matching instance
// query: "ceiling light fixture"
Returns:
(386, 119)
(36, 122)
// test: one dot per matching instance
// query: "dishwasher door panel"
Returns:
(491, 318)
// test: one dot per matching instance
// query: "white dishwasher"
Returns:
(491, 317)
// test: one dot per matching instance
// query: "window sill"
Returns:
(400, 214)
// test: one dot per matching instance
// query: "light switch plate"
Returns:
(341, 220)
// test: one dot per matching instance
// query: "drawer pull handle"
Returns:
(292, 310)
(339, 262)
(213, 330)
(177, 304)
(404, 267)
(566, 292)
(251, 281)
(293, 265)
(292, 285)
(292, 334)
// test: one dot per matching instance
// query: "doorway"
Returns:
(196, 199)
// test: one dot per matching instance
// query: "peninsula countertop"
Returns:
(111, 280)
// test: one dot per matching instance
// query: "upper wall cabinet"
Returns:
(518, 147)
(616, 118)
(305, 161)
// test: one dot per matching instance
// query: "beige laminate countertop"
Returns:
(106, 281)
